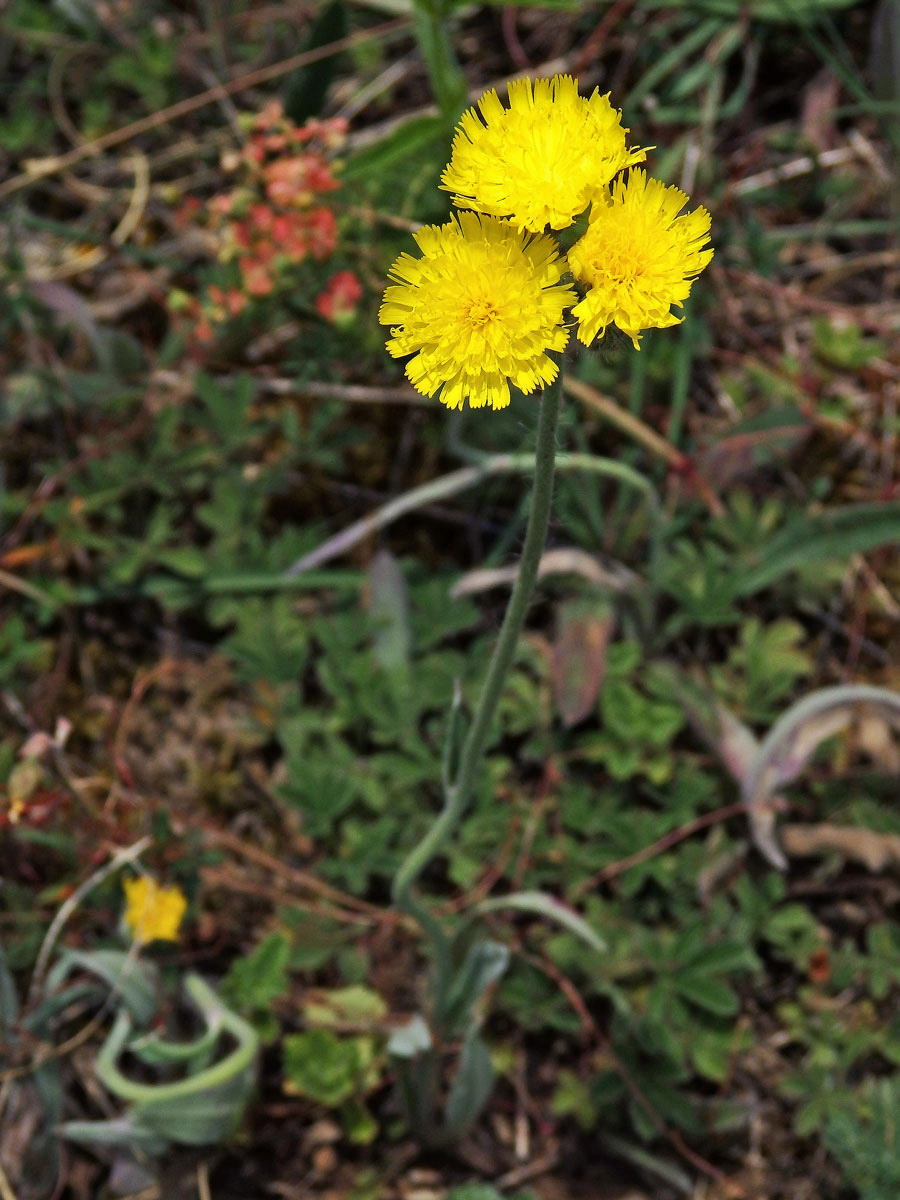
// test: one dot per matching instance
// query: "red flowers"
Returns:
(339, 300)
(272, 221)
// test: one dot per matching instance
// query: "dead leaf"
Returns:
(820, 98)
(791, 743)
(578, 659)
(721, 864)
(764, 768)
(561, 561)
(737, 455)
(733, 742)
(874, 850)
(874, 736)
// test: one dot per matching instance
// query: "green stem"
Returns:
(448, 84)
(458, 795)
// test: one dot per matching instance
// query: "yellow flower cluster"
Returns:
(153, 913)
(480, 308)
(484, 306)
(541, 161)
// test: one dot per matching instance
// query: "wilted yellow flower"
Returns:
(479, 310)
(638, 257)
(153, 913)
(541, 161)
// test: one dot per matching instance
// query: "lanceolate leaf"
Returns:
(836, 533)
(484, 964)
(471, 1086)
(543, 905)
(402, 143)
(135, 980)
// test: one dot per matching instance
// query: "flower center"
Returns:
(622, 258)
(480, 313)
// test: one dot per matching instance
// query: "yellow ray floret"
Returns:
(153, 913)
(638, 257)
(541, 161)
(478, 311)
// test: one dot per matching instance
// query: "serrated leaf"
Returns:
(256, 980)
(354, 1005)
(725, 956)
(326, 1067)
(707, 992)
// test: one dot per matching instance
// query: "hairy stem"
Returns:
(459, 793)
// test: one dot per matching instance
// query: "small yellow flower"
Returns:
(638, 257)
(152, 913)
(541, 161)
(478, 311)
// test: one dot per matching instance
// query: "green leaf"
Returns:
(259, 978)
(325, 1067)
(883, 945)
(271, 642)
(409, 139)
(781, 12)
(574, 1098)
(9, 998)
(471, 1086)
(198, 1116)
(844, 346)
(154, 1051)
(388, 601)
(206, 1104)
(861, 1133)
(306, 89)
(474, 1191)
(835, 533)
(484, 964)
(359, 1125)
(713, 1051)
(124, 1133)
(354, 1005)
(707, 992)
(546, 906)
(135, 980)
(725, 956)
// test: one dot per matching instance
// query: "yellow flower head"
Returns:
(479, 310)
(152, 913)
(638, 257)
(541, 161)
